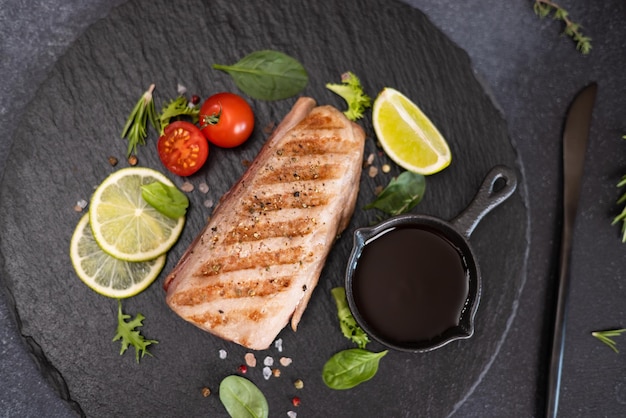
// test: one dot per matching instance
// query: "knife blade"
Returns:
(575, 139)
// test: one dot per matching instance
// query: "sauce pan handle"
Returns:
(498, 185)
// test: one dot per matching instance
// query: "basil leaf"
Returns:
(168, 200)
(350, 329)
(242, 399)
(401, 195)
(267, 75)
(348, 368)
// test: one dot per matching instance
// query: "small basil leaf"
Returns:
(401, 195)
(242, 399)
(349, 368)
(350, 329)
(267, 75)
(168, 200)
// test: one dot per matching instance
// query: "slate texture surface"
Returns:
(532, 72)
(107, 68)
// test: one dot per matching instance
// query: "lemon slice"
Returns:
(105, 274)
(406, 134)
(124, 225)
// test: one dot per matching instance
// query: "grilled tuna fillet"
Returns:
(257, 261)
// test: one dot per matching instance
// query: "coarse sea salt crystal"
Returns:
(223, 354)
(203, 188)
(267, 373)
(279, 345)
(268, 361)
(292, 414)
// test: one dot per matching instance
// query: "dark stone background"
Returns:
(533, 72)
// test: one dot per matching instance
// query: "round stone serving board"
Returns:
(73, 125)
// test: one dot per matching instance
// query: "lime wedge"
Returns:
(406, 134)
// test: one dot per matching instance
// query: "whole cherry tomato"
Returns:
(182, 148)
(226, 120)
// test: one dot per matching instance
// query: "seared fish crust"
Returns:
(255, 264)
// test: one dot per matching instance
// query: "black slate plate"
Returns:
(73, 125)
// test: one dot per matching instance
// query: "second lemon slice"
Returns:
(105, 274)
(406, 134)
(124, 225)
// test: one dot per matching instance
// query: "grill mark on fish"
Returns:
(275, 202)
(219, 289)
(295, 173)
(314, 144)
(234, 262)
(217, 319)
(299, 227)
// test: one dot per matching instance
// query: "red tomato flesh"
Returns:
(182, 148)
(226, 120)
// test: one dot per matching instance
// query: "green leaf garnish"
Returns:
(168, 200)
(176, 108)
(543, 8)
(350, 329)
(401, 195)
(352, 92)
(349, 368)
(605, 337)
(136, 128)
(242, 399)
(129, 336)
(267, 75)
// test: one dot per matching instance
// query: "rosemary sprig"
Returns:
(622, 216)
(605, 337)
(135, 129)
(544, 8)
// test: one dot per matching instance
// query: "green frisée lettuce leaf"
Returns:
(129, 335)
(350, 329)
(352, 92)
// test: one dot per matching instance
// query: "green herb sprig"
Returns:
(176, 108)
(352, 92)
(136, 127)
(350, 329)
(128, 335)
(545, 8)
(605, 337)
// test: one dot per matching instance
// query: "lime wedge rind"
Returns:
(407, 135)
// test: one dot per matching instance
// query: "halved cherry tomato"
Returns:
(226, 120)
(182, 148)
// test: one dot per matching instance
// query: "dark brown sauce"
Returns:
(410, 284)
